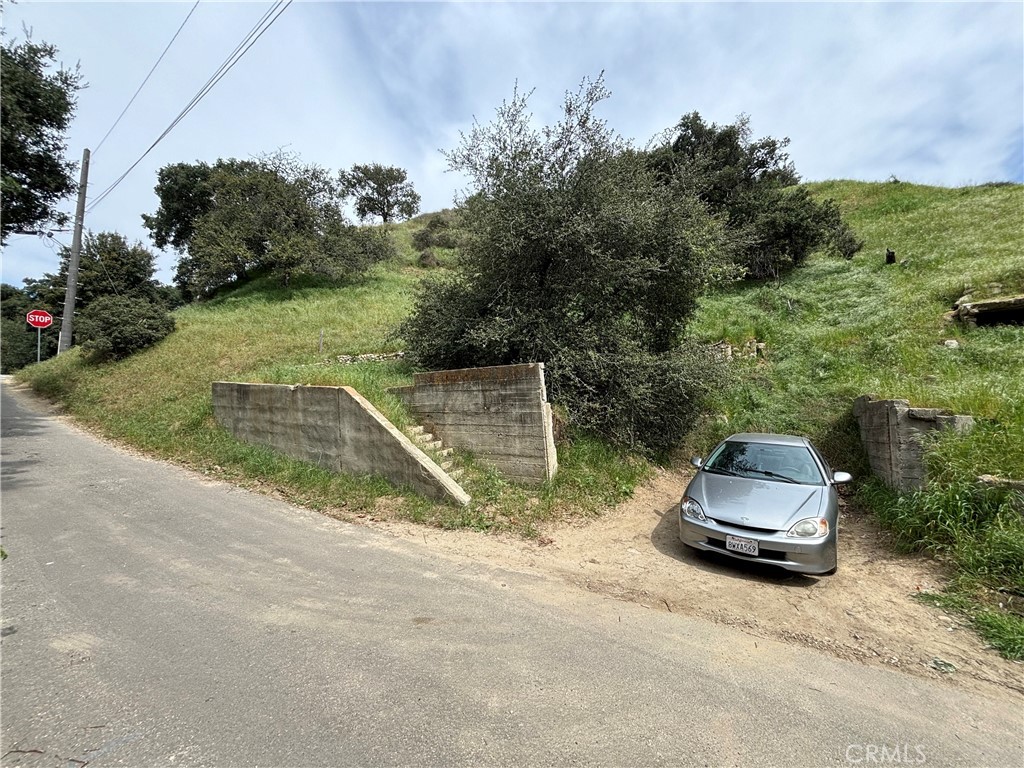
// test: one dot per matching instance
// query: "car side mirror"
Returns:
(697, 461)
(841, 477)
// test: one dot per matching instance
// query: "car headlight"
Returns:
(691, 508)
(811, 527)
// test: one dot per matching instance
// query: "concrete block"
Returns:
(894, 434)
(499, 413)
(333, 427)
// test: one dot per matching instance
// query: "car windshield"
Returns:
(779, 463)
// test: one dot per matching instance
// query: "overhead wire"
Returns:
(146, 80)
(257, 31)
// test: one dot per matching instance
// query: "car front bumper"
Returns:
(811, 556)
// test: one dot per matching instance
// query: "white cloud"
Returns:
(930, 92)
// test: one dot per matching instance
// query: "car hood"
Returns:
(755, 503)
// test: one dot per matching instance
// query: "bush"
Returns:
(635, 398)
(786, 226)
(112, 327)
(441, 231)
(428, 259)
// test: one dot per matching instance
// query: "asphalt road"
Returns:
(150, 618)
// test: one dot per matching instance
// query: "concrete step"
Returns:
(447, 466)
(431, 445)
(415, 431)
(455, 474)
(445, 452)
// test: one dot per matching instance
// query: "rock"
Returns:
(369, 358)
(942, 665)
(1001, 482)
(951, 343)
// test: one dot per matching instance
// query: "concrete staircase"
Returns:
(429, 444)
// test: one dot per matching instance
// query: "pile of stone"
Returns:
(997, 309)
(749, 348)
(373, 357)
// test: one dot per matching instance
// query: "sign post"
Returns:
(39, 319)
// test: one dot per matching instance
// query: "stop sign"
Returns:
(39, 318)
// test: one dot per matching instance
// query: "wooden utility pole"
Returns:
(67, 322)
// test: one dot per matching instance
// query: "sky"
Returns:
(927, 92)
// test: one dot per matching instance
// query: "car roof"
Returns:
(767, 438)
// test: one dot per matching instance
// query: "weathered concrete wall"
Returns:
(500, 413)
(333, 427)
(892, 431)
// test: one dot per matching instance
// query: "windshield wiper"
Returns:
(774, 475)
(720, 471)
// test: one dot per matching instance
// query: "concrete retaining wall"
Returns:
(333, 427)
(892, 433)
(500, 414)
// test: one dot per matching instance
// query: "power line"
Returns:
(224, 68)
(151, 71)
(265, 22)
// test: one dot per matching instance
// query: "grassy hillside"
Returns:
(833, 330)
(837, 329)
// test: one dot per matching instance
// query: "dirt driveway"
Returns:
(867, 612)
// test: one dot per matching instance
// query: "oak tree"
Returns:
(381, 191)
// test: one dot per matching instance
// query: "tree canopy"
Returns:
(37, 103)
(107, 265)
(379, 190)
(238, 218)
(750, 184)
(577, 254)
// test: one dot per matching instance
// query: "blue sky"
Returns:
(929, 92)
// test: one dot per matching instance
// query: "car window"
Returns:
(781, 463)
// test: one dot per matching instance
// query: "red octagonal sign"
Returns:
(39, 318)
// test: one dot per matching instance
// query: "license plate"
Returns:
(744, 546)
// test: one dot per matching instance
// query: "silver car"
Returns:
(766, 498)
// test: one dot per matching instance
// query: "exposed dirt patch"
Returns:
(867, 612)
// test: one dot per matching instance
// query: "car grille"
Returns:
(746, 527)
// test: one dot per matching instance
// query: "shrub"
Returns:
(633, 397)
(786, 226)
(112, 327)
(441, 231)
(428, 259)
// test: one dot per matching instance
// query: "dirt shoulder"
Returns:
(867, 612)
